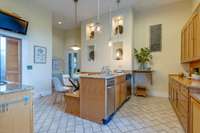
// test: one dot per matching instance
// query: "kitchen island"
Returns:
(102, 95)
(16, 108)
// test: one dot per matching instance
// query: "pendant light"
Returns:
(98, 26)
(75, 47)
(110, 35)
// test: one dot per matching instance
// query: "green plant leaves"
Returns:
(143, 56)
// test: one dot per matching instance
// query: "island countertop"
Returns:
(13, 88)
(102, 76)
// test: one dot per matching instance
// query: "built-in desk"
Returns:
(72, 101)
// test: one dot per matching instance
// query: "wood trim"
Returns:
(10, 13)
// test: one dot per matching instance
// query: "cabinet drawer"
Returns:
(120, 79)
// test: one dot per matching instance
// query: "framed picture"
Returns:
(156, 38)
(40, 55)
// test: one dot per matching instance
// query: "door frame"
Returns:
(20, 53)
(67, 52)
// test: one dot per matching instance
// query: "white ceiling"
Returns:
(63, 10)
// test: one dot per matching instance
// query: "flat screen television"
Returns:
(13, 24)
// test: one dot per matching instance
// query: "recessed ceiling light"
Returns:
(59, 22)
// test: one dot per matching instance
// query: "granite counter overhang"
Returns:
(196, 96)
(14, 88)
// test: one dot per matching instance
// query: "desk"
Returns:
(141, 90)
(72, 100)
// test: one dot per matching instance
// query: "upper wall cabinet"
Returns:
(190, 39)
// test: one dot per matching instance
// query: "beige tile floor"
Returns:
(138, 115)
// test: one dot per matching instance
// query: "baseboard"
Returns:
(158, 94)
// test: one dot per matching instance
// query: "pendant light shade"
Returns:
(75, 48)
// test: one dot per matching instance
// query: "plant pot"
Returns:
(143, 66)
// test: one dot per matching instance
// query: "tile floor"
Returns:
(138, 115)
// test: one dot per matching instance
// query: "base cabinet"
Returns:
(186, 109)
(17, 116)
(178, 96)
(195, 116)
(120, 91)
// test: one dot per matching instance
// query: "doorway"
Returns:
(72, 63)
(10, 59)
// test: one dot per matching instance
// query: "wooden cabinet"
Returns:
(92, 99)
(18, 115)
(120, 91)
(178, 96)
(190, 39)
(195, 116)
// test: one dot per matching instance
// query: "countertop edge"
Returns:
(24, 89)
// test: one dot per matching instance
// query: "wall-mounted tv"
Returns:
(13, 24)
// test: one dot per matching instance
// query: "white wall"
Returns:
(58, 43)
(103, 53)
(172, 18)
(39, 33)
(195, 3)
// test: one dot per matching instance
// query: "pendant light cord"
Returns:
(98, 15)
(110, 21)
(118, 2)
(76, 2)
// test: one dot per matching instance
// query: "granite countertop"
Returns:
(12, 88)
(102, 76)
(196, 96)
(187, 82)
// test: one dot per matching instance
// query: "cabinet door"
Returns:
(6, 123)
(117, 96)
(190, 41)
(182, 46)
(196, 23)
(185, 44)
(195, 116)
(123, 91)
(18, 117)
(22, 112)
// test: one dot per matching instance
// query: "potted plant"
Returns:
(143, 57)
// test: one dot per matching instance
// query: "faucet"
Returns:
(106, 70)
